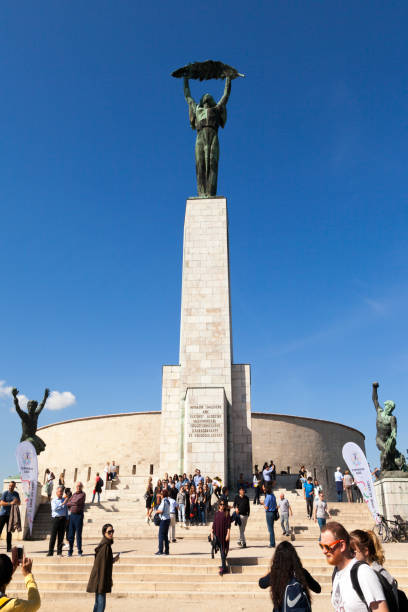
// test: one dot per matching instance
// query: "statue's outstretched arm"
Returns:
(187, 92)
(20, 412)
(227, 91)
(41, 406)
(375, 397)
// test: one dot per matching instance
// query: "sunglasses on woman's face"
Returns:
(110, 531)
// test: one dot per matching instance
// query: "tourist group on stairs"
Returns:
(360, 581)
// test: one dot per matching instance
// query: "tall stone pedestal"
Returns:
(392, 495)
(206, 415)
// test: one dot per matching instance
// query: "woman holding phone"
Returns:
(100, 580)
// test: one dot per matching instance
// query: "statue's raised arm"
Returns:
(41, 406)
(375, 397)
(187, 92)
(192, 106)
(23, 415)
(227, 90)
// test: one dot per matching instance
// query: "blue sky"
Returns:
(97, 160)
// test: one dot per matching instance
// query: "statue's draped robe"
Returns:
(207, 121)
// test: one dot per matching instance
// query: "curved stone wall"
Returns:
(81, 447)
(292, 441)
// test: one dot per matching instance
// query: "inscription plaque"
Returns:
(206, 422)
(205, 431)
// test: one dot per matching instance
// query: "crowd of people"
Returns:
(359, 581)
(190, 500)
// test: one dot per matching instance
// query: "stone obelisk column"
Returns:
(206, 399)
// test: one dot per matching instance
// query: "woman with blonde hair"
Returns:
(367, 548)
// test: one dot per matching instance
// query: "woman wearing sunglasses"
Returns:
(100, 580)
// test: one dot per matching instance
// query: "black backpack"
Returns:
(295, 598)
(393, 605)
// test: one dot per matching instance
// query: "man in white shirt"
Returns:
(338, 481)
(164, 511)
(335, 544)
(173, 508)
(267, 473)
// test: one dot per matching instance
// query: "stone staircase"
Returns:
(178, 577)
(189, 573)
(124, 506)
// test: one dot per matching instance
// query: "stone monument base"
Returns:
(392, 494)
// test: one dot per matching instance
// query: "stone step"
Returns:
(49, 596)
(149, 572)
(203, 583)
(173, 563)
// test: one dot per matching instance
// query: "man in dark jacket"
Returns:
(76, 505)
(100, 580)
(242, 506)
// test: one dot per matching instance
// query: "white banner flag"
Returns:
(28, 466)
(359, 468)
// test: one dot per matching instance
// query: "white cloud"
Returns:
(56, 401)
(4, 391)
(59, 400)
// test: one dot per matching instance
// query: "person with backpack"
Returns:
(367, 549)
(97, 488)
(336, 546)
(289, 581)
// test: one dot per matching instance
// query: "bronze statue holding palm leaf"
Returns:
(206, 117)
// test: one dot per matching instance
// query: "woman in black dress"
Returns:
(149, 499)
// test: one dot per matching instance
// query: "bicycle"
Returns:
(389, 531)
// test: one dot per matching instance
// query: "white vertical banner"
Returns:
(359, 468)
(28, 466)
